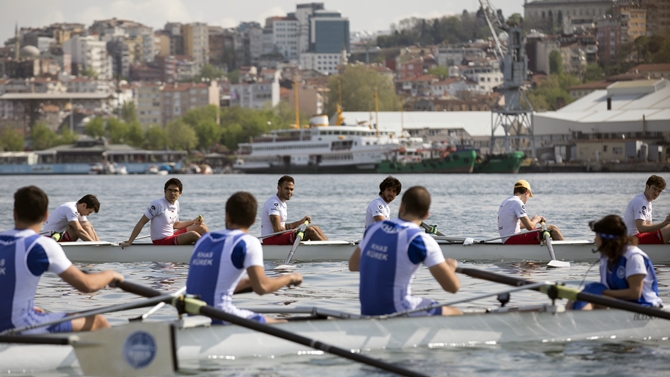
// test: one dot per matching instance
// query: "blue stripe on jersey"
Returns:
(38, 261)
(417, 250)
(238, 254)
(616, 278)
(205, 265)
(7, 280)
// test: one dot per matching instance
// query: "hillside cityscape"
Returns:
(205, 88)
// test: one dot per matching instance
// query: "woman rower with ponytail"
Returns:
(626, 272)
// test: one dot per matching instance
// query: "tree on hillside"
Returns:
(128, 112)
(555, 62)
(89, 72)
(67, 137)
(156, 138)
(117, 131)
(43, 137)
(545, 96)
(180, 135)
(11, 140)
(210, 72)
(95, 128)
(358, 85)
(515, 19)
(135, 136)
(593, 72)
(439, 71)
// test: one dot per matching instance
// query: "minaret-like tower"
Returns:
(17, 45)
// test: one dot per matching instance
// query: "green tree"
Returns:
(515, 19)
(555, 62)
(135, 136)
(156, 138)
(43, 137)
(208, 71)
(439, 71)
(117, 131)
(234, 76)
(95, 128)
(208, 133)
(89, 72)
(545, 96)
(181, 136)
(240, 124)
(593, 72)
(358, 85)
(67, 136)
(128, 112)
(11, 140)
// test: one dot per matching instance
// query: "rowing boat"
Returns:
(321, 251)
(195, 340)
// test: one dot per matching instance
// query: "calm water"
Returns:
(463, 205)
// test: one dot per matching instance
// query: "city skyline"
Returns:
(155, 13)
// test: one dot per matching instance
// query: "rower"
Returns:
(25, 256)
(378, 209)
(626, 272)
(220, 259)
(275, 214)
(69, 221)
(166, 229)
(512, 213)
(391, 252)
(638, 215)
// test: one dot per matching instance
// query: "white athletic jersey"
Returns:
(510, 212)
(163, 216)
(377, 207)
(639, 208)
(633, 262)
(218, 262)
(24, 257)
(391, 252)
(275, 207)
(58, 219)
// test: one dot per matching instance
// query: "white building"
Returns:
(255, 95)
(91, 53)
(87, 85)
(281, 34)
(453, 87)
(323, 63)
(454, 55)
(486, 77)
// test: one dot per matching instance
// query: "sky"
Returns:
(364, 15)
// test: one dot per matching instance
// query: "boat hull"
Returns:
(321, 251)
(507, 163)
(309, 169)
(207, 344)
(462, 162)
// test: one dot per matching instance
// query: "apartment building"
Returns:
(91, 53)
(196, 42)
(149, 109)
(178, 98)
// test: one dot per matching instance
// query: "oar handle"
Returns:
(137, 289)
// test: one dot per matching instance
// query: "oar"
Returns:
(153, 310)
(547, 240)
(103, 310)
(193, 306)
(468, 299)
(553, 290)
(275, 234)
(136, 238)
(300, 234)
(432, 229)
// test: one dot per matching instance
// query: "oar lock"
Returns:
(180, 302)
(552, 292)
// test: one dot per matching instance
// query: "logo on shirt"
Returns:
(644, 210)
(153, 208)
(523, 207)
(381, 207)
(389, 227)
(621, 272)
(276, 204)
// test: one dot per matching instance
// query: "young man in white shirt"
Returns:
(69, 222)
(275, 214)
(378, 209)
(512, 213)
(221, 258)
(166, 229)
(638, 215)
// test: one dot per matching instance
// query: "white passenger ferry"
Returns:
(318, 149)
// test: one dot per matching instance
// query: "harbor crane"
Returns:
(515, 119)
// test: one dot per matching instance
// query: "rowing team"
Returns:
(387, 258)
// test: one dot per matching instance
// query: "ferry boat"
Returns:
(321, 148)
(87, 157)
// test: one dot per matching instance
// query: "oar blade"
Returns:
(285, 267)
(558, 264)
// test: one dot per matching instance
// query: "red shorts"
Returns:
(282, 239)
(64, 237)
(524, 239)
(650, 238)
(170, 240)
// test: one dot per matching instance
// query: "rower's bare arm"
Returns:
(136, 231)
(263, 284)
(355, 260)
(89, 282)
(88, 227)
(528, 223)
(80, 231)
(243, 285)
(633, 292)
(445, 274)
(276, 224)
(379, 218)
(643, 227)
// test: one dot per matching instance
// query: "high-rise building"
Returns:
(196, 42)
(90, 53)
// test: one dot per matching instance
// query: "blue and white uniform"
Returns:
(24, 257)
(391, 252)
(217, 265)
(633, 262)
(377, 207)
